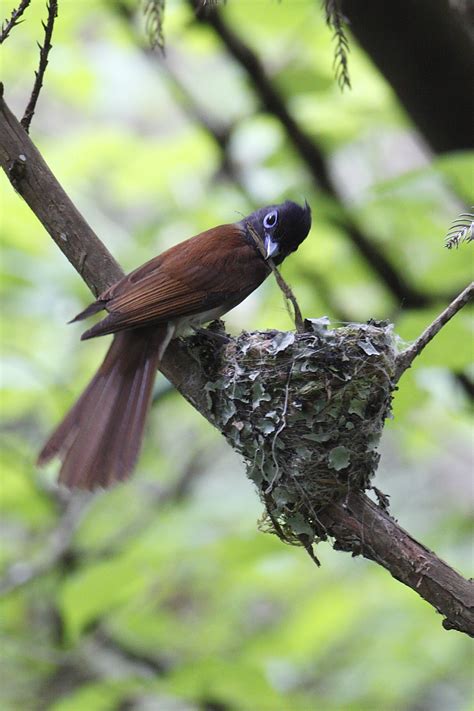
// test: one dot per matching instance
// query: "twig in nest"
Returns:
(8, 25)
(309, 550)
(279, 531)
(278, 431)
(43, 63)
(287, 292)
(306, 544)
(406, 357)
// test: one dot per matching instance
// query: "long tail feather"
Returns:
(99, 439)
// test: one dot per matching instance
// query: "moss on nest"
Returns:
(306, 411)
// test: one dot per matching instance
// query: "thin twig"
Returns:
(278, 432)
(8, 25)
(406, 357)
(43, 63)
(287, 292)
(289, 296)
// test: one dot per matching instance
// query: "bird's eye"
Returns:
(270, 219)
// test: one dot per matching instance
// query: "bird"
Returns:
(190, 284)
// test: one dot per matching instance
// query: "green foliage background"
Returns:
(178, 602)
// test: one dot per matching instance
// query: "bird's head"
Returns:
(281, 228)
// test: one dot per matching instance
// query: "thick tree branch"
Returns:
(357, 521)
(360, 526)
(33, 180)
(406, 357)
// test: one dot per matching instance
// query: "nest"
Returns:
(306, 411)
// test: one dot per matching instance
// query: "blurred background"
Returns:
(162, 594)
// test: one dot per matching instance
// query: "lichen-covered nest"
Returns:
(306, 411)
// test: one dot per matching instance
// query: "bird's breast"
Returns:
(186, 324)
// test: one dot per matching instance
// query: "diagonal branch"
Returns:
(33, 180)
(406, 357)
(361, 527)
(43, 63)
(356, 523)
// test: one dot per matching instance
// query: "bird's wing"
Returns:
(203, 273)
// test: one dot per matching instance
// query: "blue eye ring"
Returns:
(270, 219)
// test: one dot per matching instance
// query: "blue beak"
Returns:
(271, 247)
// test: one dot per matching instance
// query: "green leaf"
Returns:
(339, 458)
(299, 525)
